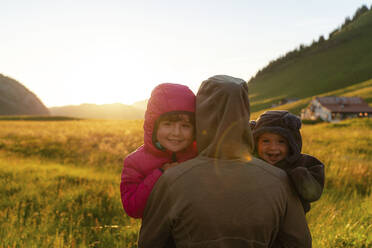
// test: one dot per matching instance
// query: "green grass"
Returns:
(70, 197)
(46, 204)
(61, 182)
(343, 216)
(101, 144)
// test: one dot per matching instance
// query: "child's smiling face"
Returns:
(272, 147)
(175, 135)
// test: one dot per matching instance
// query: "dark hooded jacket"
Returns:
(224, 197)
(306, 172)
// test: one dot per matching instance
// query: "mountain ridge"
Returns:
(116, 111)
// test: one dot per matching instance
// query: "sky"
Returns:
(70, 52)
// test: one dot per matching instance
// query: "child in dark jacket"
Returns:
(278, 141)
(168, 140)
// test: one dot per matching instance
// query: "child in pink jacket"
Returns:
(168, 140)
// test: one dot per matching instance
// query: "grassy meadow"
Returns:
(59, 182)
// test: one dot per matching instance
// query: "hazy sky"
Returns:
(88, 51)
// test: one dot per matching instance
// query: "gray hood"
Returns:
(222, 118)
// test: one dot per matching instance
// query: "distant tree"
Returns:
(313, 43)
(347, 22)
(331, 34)
(321, 39)
(360, 11)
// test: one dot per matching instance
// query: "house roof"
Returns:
(344, 104)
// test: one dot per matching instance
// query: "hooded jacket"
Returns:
(306, 172)
(224, 197)
(140, 171)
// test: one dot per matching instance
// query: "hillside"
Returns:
(363, 90)
(116, 111)
(343, 60)
(15, 99)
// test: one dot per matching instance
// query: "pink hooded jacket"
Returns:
(140, 171)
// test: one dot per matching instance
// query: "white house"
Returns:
(333, 108)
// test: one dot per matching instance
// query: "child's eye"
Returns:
(282, 142)
(186, 125)
(166, 123)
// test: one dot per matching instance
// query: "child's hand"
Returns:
(169, 165)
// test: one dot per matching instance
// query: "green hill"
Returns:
(363, 90)
(345, 59)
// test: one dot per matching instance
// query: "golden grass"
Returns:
(59, 183)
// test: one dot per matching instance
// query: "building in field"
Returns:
(334, 108)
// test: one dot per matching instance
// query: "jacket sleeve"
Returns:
(156, 222)
(293, 230)
(135, 188)
(307, 176)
